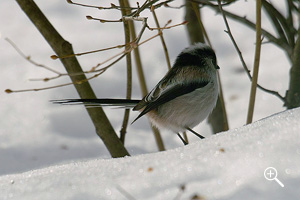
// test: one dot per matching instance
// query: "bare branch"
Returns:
(126, 27)
(286, 32)
(133, 44)
(28, 58)
(208, 2)
(103, 20)
(279, 42)
(228, 31)
(256, 63)
(112, 6)
(38, 89)
(146, 5)
(293, 94)
(88, 52)
(62, 47)
(162, 38)
(143, 85)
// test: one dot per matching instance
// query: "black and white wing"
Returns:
(165, 92)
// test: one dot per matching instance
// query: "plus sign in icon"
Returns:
(271, 174)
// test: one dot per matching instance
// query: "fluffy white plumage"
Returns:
(192, 83)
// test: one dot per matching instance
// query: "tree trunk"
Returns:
(217, 119)
(293, 94)
(62, 47)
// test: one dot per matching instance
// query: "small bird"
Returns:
(183, 98)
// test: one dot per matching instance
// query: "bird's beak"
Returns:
(217, 67)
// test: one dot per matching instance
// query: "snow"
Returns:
(229, 165)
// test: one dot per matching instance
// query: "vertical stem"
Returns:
(221, 104)
(129, 71)
(256, 62)
(161, 38)
(192, 15)
(138, 62)
(218, 118)
(293, 94)
(141, 76)
(197, 13)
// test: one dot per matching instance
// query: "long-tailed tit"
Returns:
(184, 97)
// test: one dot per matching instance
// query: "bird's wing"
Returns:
(159, 96)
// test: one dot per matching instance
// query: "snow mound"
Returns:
(229, 165)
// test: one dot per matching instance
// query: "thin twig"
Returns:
(161, 38)
(103, 20)
(278, 42)
(282, 25)
(228, 31)
(208, 2)
(100, 71)
(134, 44)
(168, 27)
(28, 58)
(147, 4)
(87, 52)
(144, 90)
(113, 6)
(168, 6)
(144, 20)
(37, 89)
(137, 10)
(93, 69)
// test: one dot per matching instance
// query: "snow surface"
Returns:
(229, 165)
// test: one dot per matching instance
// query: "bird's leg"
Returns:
(181, 138)
(195, 133)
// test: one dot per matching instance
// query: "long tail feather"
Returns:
(127, 103)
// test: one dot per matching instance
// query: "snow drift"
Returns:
(229, 165)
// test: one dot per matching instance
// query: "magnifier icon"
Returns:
(271, 174)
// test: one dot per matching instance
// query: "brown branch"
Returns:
(129, 72)
(161, 38)
(143, 85)
(133, 45)
(256, 63)
(88, 52)
(168, 27)
(218, 118)
(278, 42)
(28, 58)
(146, 5)
(62, 47)
(228, 31)
(37, 89)
(293, 94)
(92, 70)
(286, 32)
(112, 6)
(103, 20)
(194, 29)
